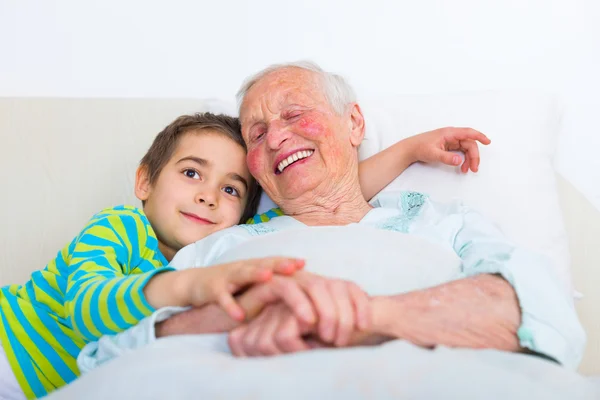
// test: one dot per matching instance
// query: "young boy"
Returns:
(193, 181)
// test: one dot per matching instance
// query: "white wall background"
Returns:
(187, 48)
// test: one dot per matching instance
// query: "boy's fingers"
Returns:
(447, 157)
(288, 266)
(278, 289)
(255, 299)
(250, 274)
(228, 304)
(469, 133)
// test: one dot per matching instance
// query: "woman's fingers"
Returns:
(362, 307)
(323, 302)
(345, 312)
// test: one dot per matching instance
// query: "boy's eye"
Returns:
(191, 173)
(230, 190)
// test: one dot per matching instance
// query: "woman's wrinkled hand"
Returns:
(339, 309)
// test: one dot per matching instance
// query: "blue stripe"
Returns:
(272, 214)
(257, 219)
(131, 233)
(42, 284)
(89, 253)
(57, 362)
(147, 266)
(83, 276)
(76, 318)
(113, 309)
(23, 359)
(33, 299)
(92, 240)
(61, 266)
(94, 309)
(61, 280)
(107, 223)
(128, 297)
(102, 262)
(52, 326)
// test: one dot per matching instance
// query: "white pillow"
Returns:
(515, 186)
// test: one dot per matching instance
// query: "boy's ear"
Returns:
(357, 129)
(142, 183)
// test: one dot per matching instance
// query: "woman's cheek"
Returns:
(255, 163)
(312, 127)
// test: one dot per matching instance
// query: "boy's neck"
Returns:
(166, 251)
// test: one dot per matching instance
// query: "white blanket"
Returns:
(382, 262)
(189, 367)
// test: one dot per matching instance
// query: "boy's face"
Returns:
(202, 189)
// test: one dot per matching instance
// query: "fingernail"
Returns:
(456, 160)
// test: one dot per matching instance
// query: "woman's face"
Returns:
(297, 144)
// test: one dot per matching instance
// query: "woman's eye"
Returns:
(231, 191)
(293, 115)
(259, 135)
(190, 173)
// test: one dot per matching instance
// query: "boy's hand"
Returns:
(217, 284)
(437, 145)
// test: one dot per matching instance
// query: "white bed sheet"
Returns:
(188, 367)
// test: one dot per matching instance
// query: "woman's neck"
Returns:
(340, 203)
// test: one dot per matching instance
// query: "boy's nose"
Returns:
(207, 198)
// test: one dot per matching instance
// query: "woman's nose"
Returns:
(277, 135)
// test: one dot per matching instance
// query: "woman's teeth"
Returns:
(293, 158)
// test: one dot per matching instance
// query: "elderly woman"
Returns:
(475, 289)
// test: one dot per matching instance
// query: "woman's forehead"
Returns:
(270, 97)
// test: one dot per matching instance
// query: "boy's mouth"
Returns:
(197, 219)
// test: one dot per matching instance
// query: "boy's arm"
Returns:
(377, 171)
(102, 295)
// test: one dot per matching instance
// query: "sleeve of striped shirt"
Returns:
(108, 270)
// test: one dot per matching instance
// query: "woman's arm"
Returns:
(377, 171)
(477, 312)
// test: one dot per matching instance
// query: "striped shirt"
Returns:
(93, 287)
(265, 217)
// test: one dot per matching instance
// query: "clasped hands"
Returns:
(287, 314)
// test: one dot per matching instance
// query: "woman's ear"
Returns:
(142, 183)
(357, 132)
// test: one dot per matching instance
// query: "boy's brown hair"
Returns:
(165, 143)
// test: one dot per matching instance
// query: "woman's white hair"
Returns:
(337, 91)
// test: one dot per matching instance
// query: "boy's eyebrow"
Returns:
(239, 178)
(201, 161)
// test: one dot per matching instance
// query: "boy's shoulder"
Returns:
(121, 213)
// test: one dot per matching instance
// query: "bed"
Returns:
(64, 159)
